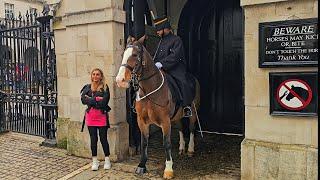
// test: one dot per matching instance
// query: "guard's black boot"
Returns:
(187, 112)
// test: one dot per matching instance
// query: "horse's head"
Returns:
(290, 95)
(302, 92)
(132, 63)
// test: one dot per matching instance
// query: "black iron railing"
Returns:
(28, 80)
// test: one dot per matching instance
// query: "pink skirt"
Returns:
(95, 117)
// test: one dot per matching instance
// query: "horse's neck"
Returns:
(154, 80)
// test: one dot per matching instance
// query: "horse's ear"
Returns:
(130, 39)
(142, 39)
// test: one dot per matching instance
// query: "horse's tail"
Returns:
(196, 99)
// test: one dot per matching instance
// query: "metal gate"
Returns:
(28, 81)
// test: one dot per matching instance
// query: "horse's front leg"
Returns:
(166, 130)
(182, 143)
(144, 128)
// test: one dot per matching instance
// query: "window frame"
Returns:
(8, 10)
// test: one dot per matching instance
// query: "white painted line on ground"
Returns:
(228, 134)
(76, 172)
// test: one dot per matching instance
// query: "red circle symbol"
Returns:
(294, 89)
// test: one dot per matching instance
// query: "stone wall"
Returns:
(274, 147)
(89, 34)
(264, 160)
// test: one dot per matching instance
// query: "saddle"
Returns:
(175, 90)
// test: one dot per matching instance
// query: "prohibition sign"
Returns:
(294, 94)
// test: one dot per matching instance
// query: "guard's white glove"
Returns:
(159, 65)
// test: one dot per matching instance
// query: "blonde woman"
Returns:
(96, 96)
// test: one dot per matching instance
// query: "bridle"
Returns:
(136, 73)
(140, 64)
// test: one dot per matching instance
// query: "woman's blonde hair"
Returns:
(102, 83)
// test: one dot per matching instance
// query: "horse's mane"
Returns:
(145, 51)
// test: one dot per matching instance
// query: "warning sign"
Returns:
(294, 93)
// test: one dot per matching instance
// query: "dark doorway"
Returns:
(212, 32)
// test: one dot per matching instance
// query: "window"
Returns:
(8, 10)
(33, 11)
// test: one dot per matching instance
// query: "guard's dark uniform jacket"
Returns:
(171, 55)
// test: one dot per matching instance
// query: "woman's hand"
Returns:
(98, 98)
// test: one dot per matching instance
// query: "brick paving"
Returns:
(21, 157)
(214, 155)
(125, 170)
(217, 158)
(119, 171)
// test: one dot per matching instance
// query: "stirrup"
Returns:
(187, 112)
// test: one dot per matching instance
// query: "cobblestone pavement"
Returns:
(21, 157)
(125, 170)
(217, 157)
(214, 155)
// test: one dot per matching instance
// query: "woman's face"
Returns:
(96, 76)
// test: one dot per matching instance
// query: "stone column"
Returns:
(274, 147)
(89, 34)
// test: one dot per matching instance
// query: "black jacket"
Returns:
(171, 55)
(90, 101)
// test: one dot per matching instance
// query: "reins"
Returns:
(138, 98)
(135, 77)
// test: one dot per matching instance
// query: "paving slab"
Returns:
(217, 157)
(22, 157)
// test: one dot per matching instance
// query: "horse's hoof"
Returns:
(168, 174)
(141, 170)
(190, 154)
(181, 152)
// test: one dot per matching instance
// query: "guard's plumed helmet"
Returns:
(162, 23)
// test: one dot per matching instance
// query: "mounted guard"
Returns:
(170, 58)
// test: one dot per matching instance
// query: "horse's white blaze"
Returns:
(169, 165)
(121, 74)
(191, 143)
(182, 143)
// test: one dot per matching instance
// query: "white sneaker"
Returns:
(95, 164)
(107, 164)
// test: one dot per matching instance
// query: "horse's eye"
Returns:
(134, 55)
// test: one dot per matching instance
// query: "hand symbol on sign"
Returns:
(284, 94)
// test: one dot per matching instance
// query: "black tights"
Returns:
(93, 131)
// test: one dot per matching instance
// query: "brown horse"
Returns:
(154, 103)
